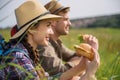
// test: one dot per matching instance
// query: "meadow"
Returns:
(109, 49)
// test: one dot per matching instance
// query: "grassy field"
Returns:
(109, 49)
(5, 33)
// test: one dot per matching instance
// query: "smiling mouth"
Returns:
(47, 38)
(67, 28)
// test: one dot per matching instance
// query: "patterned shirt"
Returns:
(18, 66)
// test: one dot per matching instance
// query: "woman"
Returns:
(34, 28)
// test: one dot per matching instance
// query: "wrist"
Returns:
(90, 76)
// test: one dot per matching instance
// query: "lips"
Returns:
(67, 28)
(47, 38)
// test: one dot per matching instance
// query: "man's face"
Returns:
(62, 26)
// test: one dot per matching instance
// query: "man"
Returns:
(56, 58)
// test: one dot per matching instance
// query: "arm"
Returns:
(91, 68)
(50, 61)
(67, 54)
(75, 71)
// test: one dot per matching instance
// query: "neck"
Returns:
(55, 37)
(32, 43)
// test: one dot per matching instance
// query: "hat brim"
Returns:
(23, 30)
(62, 8)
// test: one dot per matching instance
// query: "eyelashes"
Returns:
(49, 24)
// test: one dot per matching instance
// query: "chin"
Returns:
(46, 43)
(43, 44)
(64, 33)
(67, 32)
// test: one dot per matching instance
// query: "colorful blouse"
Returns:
(18, 66)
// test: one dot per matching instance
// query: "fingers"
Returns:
(92, 66)
(75, 78)
(96, 57)
(91, 40)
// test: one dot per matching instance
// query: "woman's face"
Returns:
(42, 33)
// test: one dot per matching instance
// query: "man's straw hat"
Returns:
(54, 7)
(30, 12)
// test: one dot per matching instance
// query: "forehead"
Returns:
(48, 20)
(65, 15)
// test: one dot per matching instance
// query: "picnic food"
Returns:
(85, 50)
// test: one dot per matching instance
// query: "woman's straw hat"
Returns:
(54, 7)
(30, 12)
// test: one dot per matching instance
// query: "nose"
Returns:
(69, 23)
(51, 31)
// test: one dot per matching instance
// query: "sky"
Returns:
(78, 9)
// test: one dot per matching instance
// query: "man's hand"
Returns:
(91, 40)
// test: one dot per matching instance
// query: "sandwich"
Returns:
(85, 50)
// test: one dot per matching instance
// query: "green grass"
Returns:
(5, 33)
(109, 49)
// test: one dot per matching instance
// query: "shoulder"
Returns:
(20, 58)
(49, 47)
(18, 54)
(19, 51)
(47, 50)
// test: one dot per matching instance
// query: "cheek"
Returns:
(38, 37)
(62, 25)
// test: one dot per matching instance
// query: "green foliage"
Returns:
(30, 76)
(110, 21)
(80, 38)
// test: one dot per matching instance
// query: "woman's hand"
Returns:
(75, 78)
(91, 67)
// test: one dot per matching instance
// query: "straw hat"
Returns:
(30, 12)
(54, 7)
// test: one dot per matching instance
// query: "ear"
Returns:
(31, 31)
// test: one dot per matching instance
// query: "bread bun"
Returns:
(84, 49)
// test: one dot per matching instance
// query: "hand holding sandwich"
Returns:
(92, 67)
(85, 48)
